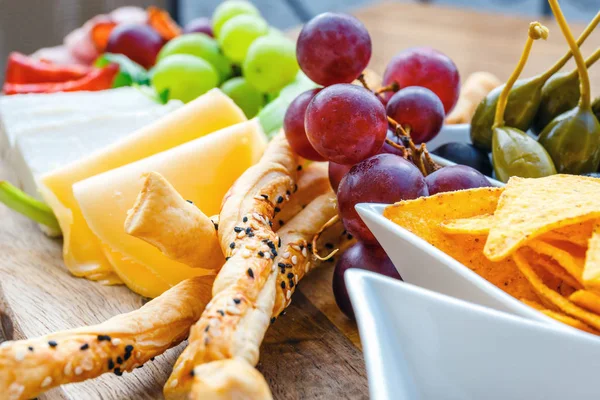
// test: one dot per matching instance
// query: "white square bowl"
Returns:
(422, 345)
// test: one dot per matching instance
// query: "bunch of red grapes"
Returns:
(347, 125)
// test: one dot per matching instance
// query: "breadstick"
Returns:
(313, 181)
(30, 367)
(163, 218)
(475, 88)
(232, 323)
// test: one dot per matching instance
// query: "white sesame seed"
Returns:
(20, 355)
(47, 381)
(15, 390)
(304, 252)
(78, 371)
(296, 279)
(288, 294)
(115, 341)
(306, 268)
(246, 253)
(294, 260)
(5, 344)
(267, 255)
(286, 254)
(257, 217)
(87, 364)
(174, 382)
(233, 310)
(138, 354)
(273, 268)
(68, 369)
(241, 234)
(295, 247)
(258, 197)
(234, 251)
(264, 247)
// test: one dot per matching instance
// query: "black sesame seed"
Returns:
(118, 372)
(290, 275)
(273, 320)
(207, 328)
(250, 273)
(281, 265)
(248, 230)
(119, 360)
(309, 246)
(271, 224)
(303, 206)
(189, 201)
(251, 234)
(221, 312)
(139, 366)
(192, 373)
(291, 284)
(271, 244)
(232, 245)
(216, 226)
(288, 265)
(52, 343)
(128, 348)
(237, 301)
(280, 200)
(282, 284)
(277, 209)
(265, 196)
(103, 338)
(238, 229)
(84, 347)
(301, 247)
(299, 168)
(345, 231)
(111, 364)
(127, 356)
(30, 348)
(260, 253)
(279, 239)
(275, 253)
(329, 245)
(245, 219)
(152, 359)
(227, 258)
(287, 192)
(281, 222)
(295, 188)
(349, 236)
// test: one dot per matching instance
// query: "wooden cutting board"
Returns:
(312, 352)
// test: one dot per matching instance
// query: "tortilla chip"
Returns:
(551, 296)
(528, 208)
(567, 255)
(424, 216)
(591, 269)
(478, 225)
(586, 299)
(575, 323)
(553, 268)
(579, 234)
(533, 304)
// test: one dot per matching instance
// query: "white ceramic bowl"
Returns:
(421, 345)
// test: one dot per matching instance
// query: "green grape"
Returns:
(229, 9)
(199, 45)
(244, 95)
(270, 63)
(184, 77)
(238, 34)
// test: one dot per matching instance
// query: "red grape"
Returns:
(388, 148)
(293, 125)
(455, 177)
(419, 111)
(384, 178)
(423, 66)
(466, 154)
(199, 25)
(336, 173)
(371, 258)
(140, 43)
(346, 123)
(333, 48)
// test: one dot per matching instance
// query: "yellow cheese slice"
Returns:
(201, 170)
(82, 252)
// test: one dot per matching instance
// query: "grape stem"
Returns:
(392, 87)
(584, 35)
(315, 251)
(420, 156)
(536, 31)
(398, 147)
(361, 79)
(584, 79)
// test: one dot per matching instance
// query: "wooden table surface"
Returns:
(313, 351)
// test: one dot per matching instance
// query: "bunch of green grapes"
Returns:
(250, 61)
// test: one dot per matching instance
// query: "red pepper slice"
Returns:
(23, 69)
(97, 79)
(160, 20)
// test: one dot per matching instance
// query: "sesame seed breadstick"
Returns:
(30, 367)
(182, 232)
(472, 92)
(313, 181)
(234, 322)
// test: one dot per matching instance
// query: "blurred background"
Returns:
(27, 25)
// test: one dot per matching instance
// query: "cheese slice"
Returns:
(202, 171)
(82, 252)
(44, 148)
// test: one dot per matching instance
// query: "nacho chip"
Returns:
(567, 255)
(591, 269)
(533, 304)
(424, 216)
(478, 225)
(553, 268)
(551, 296)
(528, 208)
(586, 299)
(575, 323)
(579, 234)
